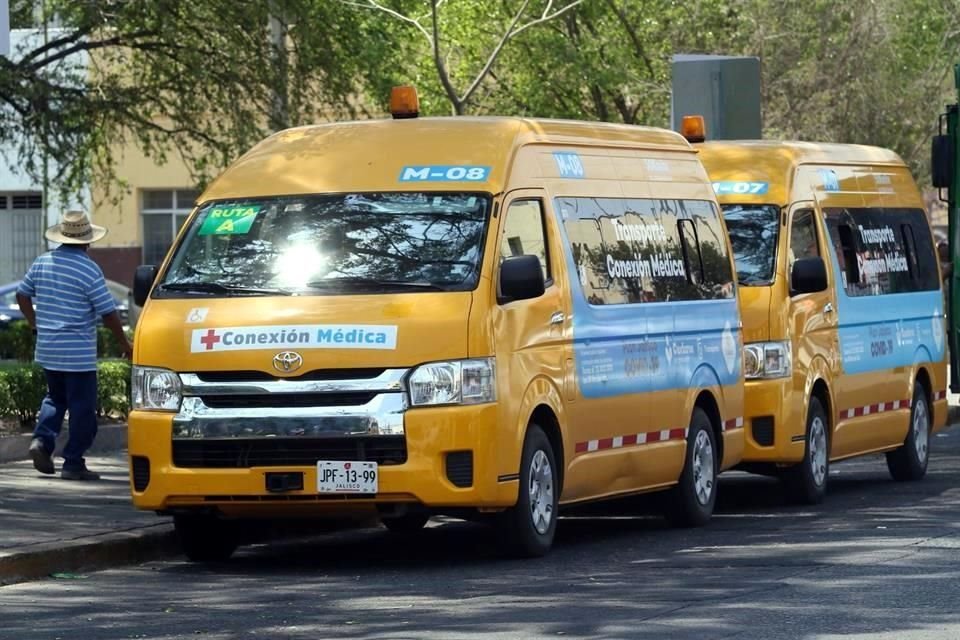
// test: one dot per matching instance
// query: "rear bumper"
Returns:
(431, 434)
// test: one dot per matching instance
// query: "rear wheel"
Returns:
(205, 538)
(806, 483)
(909, 462)
(691, 502)
(407, 523)
(527, 529)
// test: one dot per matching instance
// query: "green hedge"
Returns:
(16, 342)
(23, 387)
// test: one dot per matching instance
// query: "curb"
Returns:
(110, 438)
(119, 548)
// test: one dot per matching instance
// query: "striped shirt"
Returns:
(69, 293)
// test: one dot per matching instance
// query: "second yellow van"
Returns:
(842, 308)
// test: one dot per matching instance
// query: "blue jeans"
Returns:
(76, 392)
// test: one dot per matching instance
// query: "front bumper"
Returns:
(431, 434)
(773, 399)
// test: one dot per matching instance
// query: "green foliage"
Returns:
(107, 344)
(206, 79)
(23, 389)
(113, 388)
(198, 79)
(16, 341)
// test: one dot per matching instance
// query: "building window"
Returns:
(164, 211)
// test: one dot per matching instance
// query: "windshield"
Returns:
(331, 244)
(753, 233)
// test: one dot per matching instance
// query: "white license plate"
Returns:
(347, 477)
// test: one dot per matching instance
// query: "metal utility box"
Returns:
(724, 90)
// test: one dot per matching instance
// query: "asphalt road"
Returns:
(878, 560)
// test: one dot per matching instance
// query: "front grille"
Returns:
(141, 472)
(243, 453)
(316, 375)
(460, 468)
(762, 429)
(267, 400)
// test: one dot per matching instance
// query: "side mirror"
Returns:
(809, 275)
(143, 282)
(941, 162)
(521, 278)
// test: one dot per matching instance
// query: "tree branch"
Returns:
(375, 6)
(124, 40)
(496, 52)
(438, 61)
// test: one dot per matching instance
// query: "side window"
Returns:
(524, 233)
(638, 251)
(883, 251)
(803, 236)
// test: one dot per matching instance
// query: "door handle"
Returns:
(557, 318)
(828, 308)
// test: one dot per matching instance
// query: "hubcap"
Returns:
(703, 473)
(818, 451)
(921, 430)
(541, 492)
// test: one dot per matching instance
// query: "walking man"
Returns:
(70, 294)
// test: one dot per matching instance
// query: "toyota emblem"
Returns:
(287, 361)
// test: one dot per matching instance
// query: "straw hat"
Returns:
(75, 228)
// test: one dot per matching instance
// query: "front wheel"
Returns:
(806, 483)
(205, 538)
(527, 529)
(691, 502)
(909, 462)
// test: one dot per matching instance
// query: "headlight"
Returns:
(766, 360)
(456, 382)
(155, 389)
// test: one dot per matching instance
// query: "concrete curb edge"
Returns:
(110, 438)
(93, 553)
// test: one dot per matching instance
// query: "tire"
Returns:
(527, 529)
(406, 524)
(205, 538)
(806, 482)
(691, 502)
(909, 462)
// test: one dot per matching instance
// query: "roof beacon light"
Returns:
(693, 129)
(404, 102)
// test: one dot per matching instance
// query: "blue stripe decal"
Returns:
(881, 332)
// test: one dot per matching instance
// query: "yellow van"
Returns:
(842, 307)
(489, 317)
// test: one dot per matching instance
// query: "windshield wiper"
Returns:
(216, 287)
(372, 283)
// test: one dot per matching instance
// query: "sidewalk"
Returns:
(49, 525)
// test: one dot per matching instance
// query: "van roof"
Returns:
(370, 155)
(736, 167)
(792, 153)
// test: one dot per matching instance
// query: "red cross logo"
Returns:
(210, 339)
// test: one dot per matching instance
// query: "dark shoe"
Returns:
(42, 459)
(79, 474)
